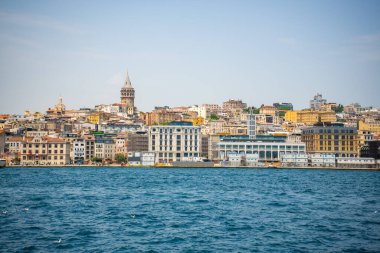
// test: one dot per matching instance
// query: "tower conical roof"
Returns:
(127, 82)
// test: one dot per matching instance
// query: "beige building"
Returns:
(45, 151)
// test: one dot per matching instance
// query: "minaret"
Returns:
(127, 94)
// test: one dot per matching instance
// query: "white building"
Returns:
(317, 102)
(322, 160)
(355, 162)
(294, 160)
(177, 142)
(147, 158)
(78, 150)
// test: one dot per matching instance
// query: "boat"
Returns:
(2, 163)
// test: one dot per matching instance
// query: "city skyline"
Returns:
(188, 53)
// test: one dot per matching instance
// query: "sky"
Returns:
(188, 52)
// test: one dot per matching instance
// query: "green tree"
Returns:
(97, 160)
(213, 116)
(120, 158)
(339, 108)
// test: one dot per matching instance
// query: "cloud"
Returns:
(37, 22)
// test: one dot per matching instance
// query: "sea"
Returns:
(189, 210)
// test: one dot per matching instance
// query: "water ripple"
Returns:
(189, 210)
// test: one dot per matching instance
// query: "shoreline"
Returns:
(187, 167)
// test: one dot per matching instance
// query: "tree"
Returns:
(97, 160)
(339, 108)
(120, 158)
(213, 116)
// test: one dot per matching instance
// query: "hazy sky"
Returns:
(188, 52)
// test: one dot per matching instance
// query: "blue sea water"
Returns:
(189, 210)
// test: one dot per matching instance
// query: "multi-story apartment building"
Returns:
(268, 110)
(317, 102)
(79, 146)
(2, 142)
(138, 142)
(120, 145)
(331, 138)
(89, 141)
(233, 105)
(160, 116)
(310, 117)
(45, 151)
(178, 141)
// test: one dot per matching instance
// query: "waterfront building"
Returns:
(355, 162)
(127, 97)
(2, 142)
(269, 149)
(138, 141)
(141, 158)
(331, 138)
(310, 117)
(294, 160)
(104, 146)
(204, 145)
(317, 102)
(322, 160)
(371, 149)
(45, 151)
(78, 150)
(178, 141)
(89, 141)
(120, 146)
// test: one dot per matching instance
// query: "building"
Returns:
(2, 142)
(204, 145)
(331, 138)
(355, 162)
(178, 141)
(294, 160)
(127, 97)
(267, 150)
(317, 102)
(372, 126)
(89, 141)
(45, 151)
(79, 146)
(160, 116)
(120, 145)
(310, 117)
(104, 147)
(371, 149)
(233, 105)
(268, 110)
(322, 160)
(138, 141)
(141, 158)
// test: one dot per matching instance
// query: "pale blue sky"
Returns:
(188, 52)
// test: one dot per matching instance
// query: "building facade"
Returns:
(45, 151)
(332, 138)
(175, 142)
